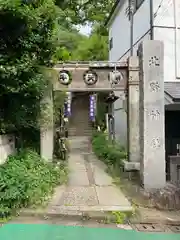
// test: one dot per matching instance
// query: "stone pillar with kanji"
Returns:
(152, 114)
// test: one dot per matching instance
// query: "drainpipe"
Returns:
(175, 37)
(131, 33)
(131, 26)
(151, 21)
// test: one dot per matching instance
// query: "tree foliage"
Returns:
(35, 33)
(27, 41)
(95, 48)
(68, 42)
(80, 12)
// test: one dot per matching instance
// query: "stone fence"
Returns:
(7, 147)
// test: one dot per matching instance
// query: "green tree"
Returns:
(94, 48)
(68, 42)
(27, 42)
(80, 12)
(72, 45)
(32, 34)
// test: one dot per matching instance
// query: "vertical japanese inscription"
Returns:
(154, 114)
(155, 143)
(154, 86)
(154, 61)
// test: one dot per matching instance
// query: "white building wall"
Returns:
(119, 29)
(166, 22)
(167, 35)
(163, 13)
(135, 48)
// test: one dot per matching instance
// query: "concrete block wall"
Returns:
(7, 147)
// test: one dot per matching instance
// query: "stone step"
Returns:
(80, 130)
(85, 127)
(79, 134)
(79, 125)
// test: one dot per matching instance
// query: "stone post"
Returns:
(152, 134)
(133, 114)
(47, 127)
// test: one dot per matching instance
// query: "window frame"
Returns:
(111, 43)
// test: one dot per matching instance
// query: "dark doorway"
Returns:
(172, 136)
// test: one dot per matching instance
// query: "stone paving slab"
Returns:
(78, 143)
(101, 178)
(57, 195)
(75, 196)
(77, 171)
(111, 196)
(82, 178)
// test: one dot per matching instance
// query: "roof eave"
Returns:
(113, 13)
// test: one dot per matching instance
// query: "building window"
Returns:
(138, 4)
(111, 43)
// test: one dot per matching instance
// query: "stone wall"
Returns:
(7, 147)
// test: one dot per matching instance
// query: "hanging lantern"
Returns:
(65, 77)
(115, 77)
(90, 77)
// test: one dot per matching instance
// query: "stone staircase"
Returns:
(75, 131)
(80, 125)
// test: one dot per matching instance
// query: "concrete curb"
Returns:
(100, 216)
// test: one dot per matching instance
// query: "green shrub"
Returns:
(109, 152)
(26, 180)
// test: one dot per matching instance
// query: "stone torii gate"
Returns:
(142, 78)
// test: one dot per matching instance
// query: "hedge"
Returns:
(109, 152)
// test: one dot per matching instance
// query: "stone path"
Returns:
(89, 192)
(90, 189)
